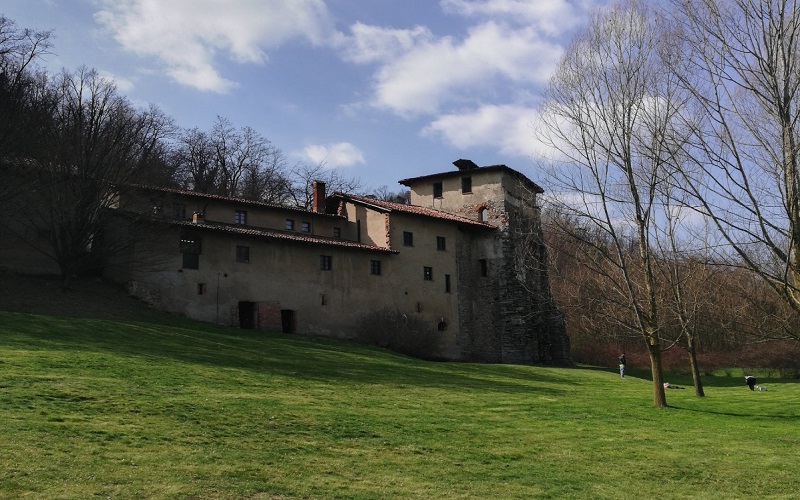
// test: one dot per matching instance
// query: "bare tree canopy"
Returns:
(19, 48)
(232, 162)
(608, 110)
(23, 104)
(402, 196)
(741, 67)
(304, 174)
(95, 140)
(676, 138)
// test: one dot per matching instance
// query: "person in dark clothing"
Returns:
(622, 365)
(750, 381)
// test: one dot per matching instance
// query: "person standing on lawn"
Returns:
(622, 365)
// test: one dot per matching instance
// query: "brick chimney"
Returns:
(318, 202)
(198, 218)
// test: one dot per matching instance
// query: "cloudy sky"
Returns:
(382, 89)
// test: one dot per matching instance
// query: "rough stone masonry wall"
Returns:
(554, 346)
(532, 327)
(479, 339)
(149, 292)
(502, 319)
(519, 339)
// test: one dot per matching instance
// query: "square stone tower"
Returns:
(507, 313)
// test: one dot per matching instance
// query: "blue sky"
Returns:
(381, 89)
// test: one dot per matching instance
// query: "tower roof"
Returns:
(467, 166)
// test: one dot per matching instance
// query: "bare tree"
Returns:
(233, 152)
(24, 102)
(742, 69)
(96, 140)
(303, 176)
(580, 290)
(609, 114)
(384, 193)
(231, 162)
(264, 175)
(687, 281)
(19, 85)
(193, 158)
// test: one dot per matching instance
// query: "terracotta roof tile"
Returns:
(283, 235)
(273, 234)
(415, 209)
(241, 201)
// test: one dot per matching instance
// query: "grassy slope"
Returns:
(173, 409)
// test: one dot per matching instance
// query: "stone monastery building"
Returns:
(465, 257)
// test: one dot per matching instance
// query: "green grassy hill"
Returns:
(169, 408)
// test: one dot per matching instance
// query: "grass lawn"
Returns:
(178, 409)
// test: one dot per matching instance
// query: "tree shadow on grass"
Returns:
(301, 358)
(770, 416)
(686, 380)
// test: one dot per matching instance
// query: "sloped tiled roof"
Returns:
(390, 206)
(241, 201)
(258, 232)
(457, 173)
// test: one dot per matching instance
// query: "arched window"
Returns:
(442, 326)
(484, 214)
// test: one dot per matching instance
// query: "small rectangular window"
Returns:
(190, 244)
(466, 184)
(242, 254)
(337, 232)
(447, 283)
(289, 225)
(240, 217)
(201, 288)
(178, 211)
(437, 189)
(484, 267)
(408, 239)
(191, 261)
(375, 267)
(325, 262)
(441, 243)
(306, 227)
(190, 247)
(427, 273)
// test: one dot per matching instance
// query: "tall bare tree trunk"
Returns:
(691, 348)
(659, 396)
(608, 113)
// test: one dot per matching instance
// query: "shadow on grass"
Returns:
(749, 415)
(686, 380)
(302, 358)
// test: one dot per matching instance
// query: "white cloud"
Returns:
(552, 17)
(187, 35)
(340, 154)
(435, 73)
(506, 127)
(517, 45)
(123, 85)
(369, 44)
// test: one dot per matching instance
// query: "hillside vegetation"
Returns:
(161, 407)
